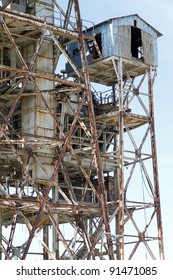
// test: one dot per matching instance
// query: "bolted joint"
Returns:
(141, 236)
(122, 114)
(138, 153)
(136, 91)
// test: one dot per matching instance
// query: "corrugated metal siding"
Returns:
(116, 38)
(107, 38)
(21, 7)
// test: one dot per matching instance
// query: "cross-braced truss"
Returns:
(78, 169)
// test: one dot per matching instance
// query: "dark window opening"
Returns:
(19, 2)
(16, 2)
(98, 38)
(135, 23)
(95, 48)
(59, 108)
(136, 43)
(76, 51)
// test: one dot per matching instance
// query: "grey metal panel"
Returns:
(106, 31)
(19, 8)
(107, 40)
(44, 13)
(155, 51)
(147, 44)
(124, 42)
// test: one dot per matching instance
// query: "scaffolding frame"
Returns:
(96, 215)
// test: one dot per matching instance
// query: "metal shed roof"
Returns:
(132, 15)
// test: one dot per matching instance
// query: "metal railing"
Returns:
(58, 20)
(105, 97)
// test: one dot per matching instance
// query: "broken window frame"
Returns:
(95, 46)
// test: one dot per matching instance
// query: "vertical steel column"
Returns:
(55, 233)
(0, 233)
(86, 80)
(155, 164)
(120, 249)
(46, 241)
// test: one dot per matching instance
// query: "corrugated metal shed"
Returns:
(129, 37)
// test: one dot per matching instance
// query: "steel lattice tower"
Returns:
(78, 168)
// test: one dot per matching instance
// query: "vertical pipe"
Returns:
(155, 165)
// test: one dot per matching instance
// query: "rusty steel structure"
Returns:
(78, 167)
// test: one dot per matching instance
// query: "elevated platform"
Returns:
(30, 207)
(132, 120)
(26, 27)
(103, 72)
(9, 164)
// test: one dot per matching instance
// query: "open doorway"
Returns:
(136, 43)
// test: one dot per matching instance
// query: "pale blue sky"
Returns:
(158, 13)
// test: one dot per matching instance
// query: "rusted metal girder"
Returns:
(5, 28)
(65, 25)
(41, 24)
(120, 249)
(67, 14)
(62, 49)
(5, 5)
(104, 211)
(155, 164)
(41, 75)
(10, 241)
(68, 183)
